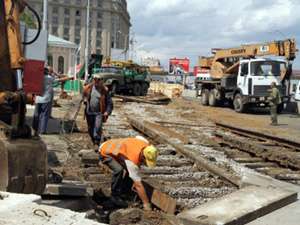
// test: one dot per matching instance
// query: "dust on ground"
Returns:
(193, 110)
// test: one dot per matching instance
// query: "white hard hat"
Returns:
(142, 138)
(97, 76)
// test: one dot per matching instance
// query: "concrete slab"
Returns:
(239, 207)
(250, 177)
(289, 215)
(71, 190)
(189, 94)
(23, 209)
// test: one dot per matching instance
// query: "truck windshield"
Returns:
(268, 68)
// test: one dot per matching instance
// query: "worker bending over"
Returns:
(99, 106)
(123, 156)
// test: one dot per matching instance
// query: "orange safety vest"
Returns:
(128, 148)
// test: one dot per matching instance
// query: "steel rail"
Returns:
(262, 136)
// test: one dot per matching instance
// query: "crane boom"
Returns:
(285, 48)
(227, 60)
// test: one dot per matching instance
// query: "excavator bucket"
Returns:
(23, 165)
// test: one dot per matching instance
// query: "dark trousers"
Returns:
(117, 176)
(41, 116)
(94, 122)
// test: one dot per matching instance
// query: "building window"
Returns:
(67, 11)
(67, 2)
(99, 3)
(55, 31)
(98, 51)
(55, 19)
(99, 15)
(55, 10)
(78, 2)
(99, 25)
(66, 31)
(98, 43)
(77, 22)
(67, 21)
(77, 32)
(77, 41)
(77, 13)
(50, 60)
(61, 64)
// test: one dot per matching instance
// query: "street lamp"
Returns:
(45, 15)
(87, 41)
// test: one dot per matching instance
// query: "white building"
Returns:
(61, 54)
(109, 23)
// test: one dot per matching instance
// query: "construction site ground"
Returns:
(258, 119)
(207, 174)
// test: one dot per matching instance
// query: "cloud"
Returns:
(190, 28)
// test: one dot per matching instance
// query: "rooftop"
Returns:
(59, 42)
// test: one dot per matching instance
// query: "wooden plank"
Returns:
(160, 199)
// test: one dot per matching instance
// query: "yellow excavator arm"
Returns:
(23, 160)
(12, 12)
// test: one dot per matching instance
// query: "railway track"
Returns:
(176, 175)
(274, 140)
(267, 154)
(198, 159)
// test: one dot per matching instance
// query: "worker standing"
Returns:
(124, 156)
(44, 103)
(274, 101)
(99, 106)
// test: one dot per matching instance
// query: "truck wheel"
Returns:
(238, 104)
(114, 88)
(137, 89)
(204, 97)
(212, 101)
(145, 88)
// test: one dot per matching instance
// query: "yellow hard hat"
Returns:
(150, 154)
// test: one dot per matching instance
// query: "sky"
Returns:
(190, 28)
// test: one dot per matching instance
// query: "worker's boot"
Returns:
(118, 202)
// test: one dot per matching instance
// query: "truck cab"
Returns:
(255, 77)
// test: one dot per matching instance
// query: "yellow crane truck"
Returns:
(243, 75)
(23, 160)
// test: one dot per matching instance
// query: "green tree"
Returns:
(27, 19)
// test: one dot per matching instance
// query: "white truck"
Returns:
(243, 77)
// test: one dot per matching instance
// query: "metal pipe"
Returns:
(45, 15)
(19, 79)
(87, 41)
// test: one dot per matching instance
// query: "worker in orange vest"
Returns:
(126, 155)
